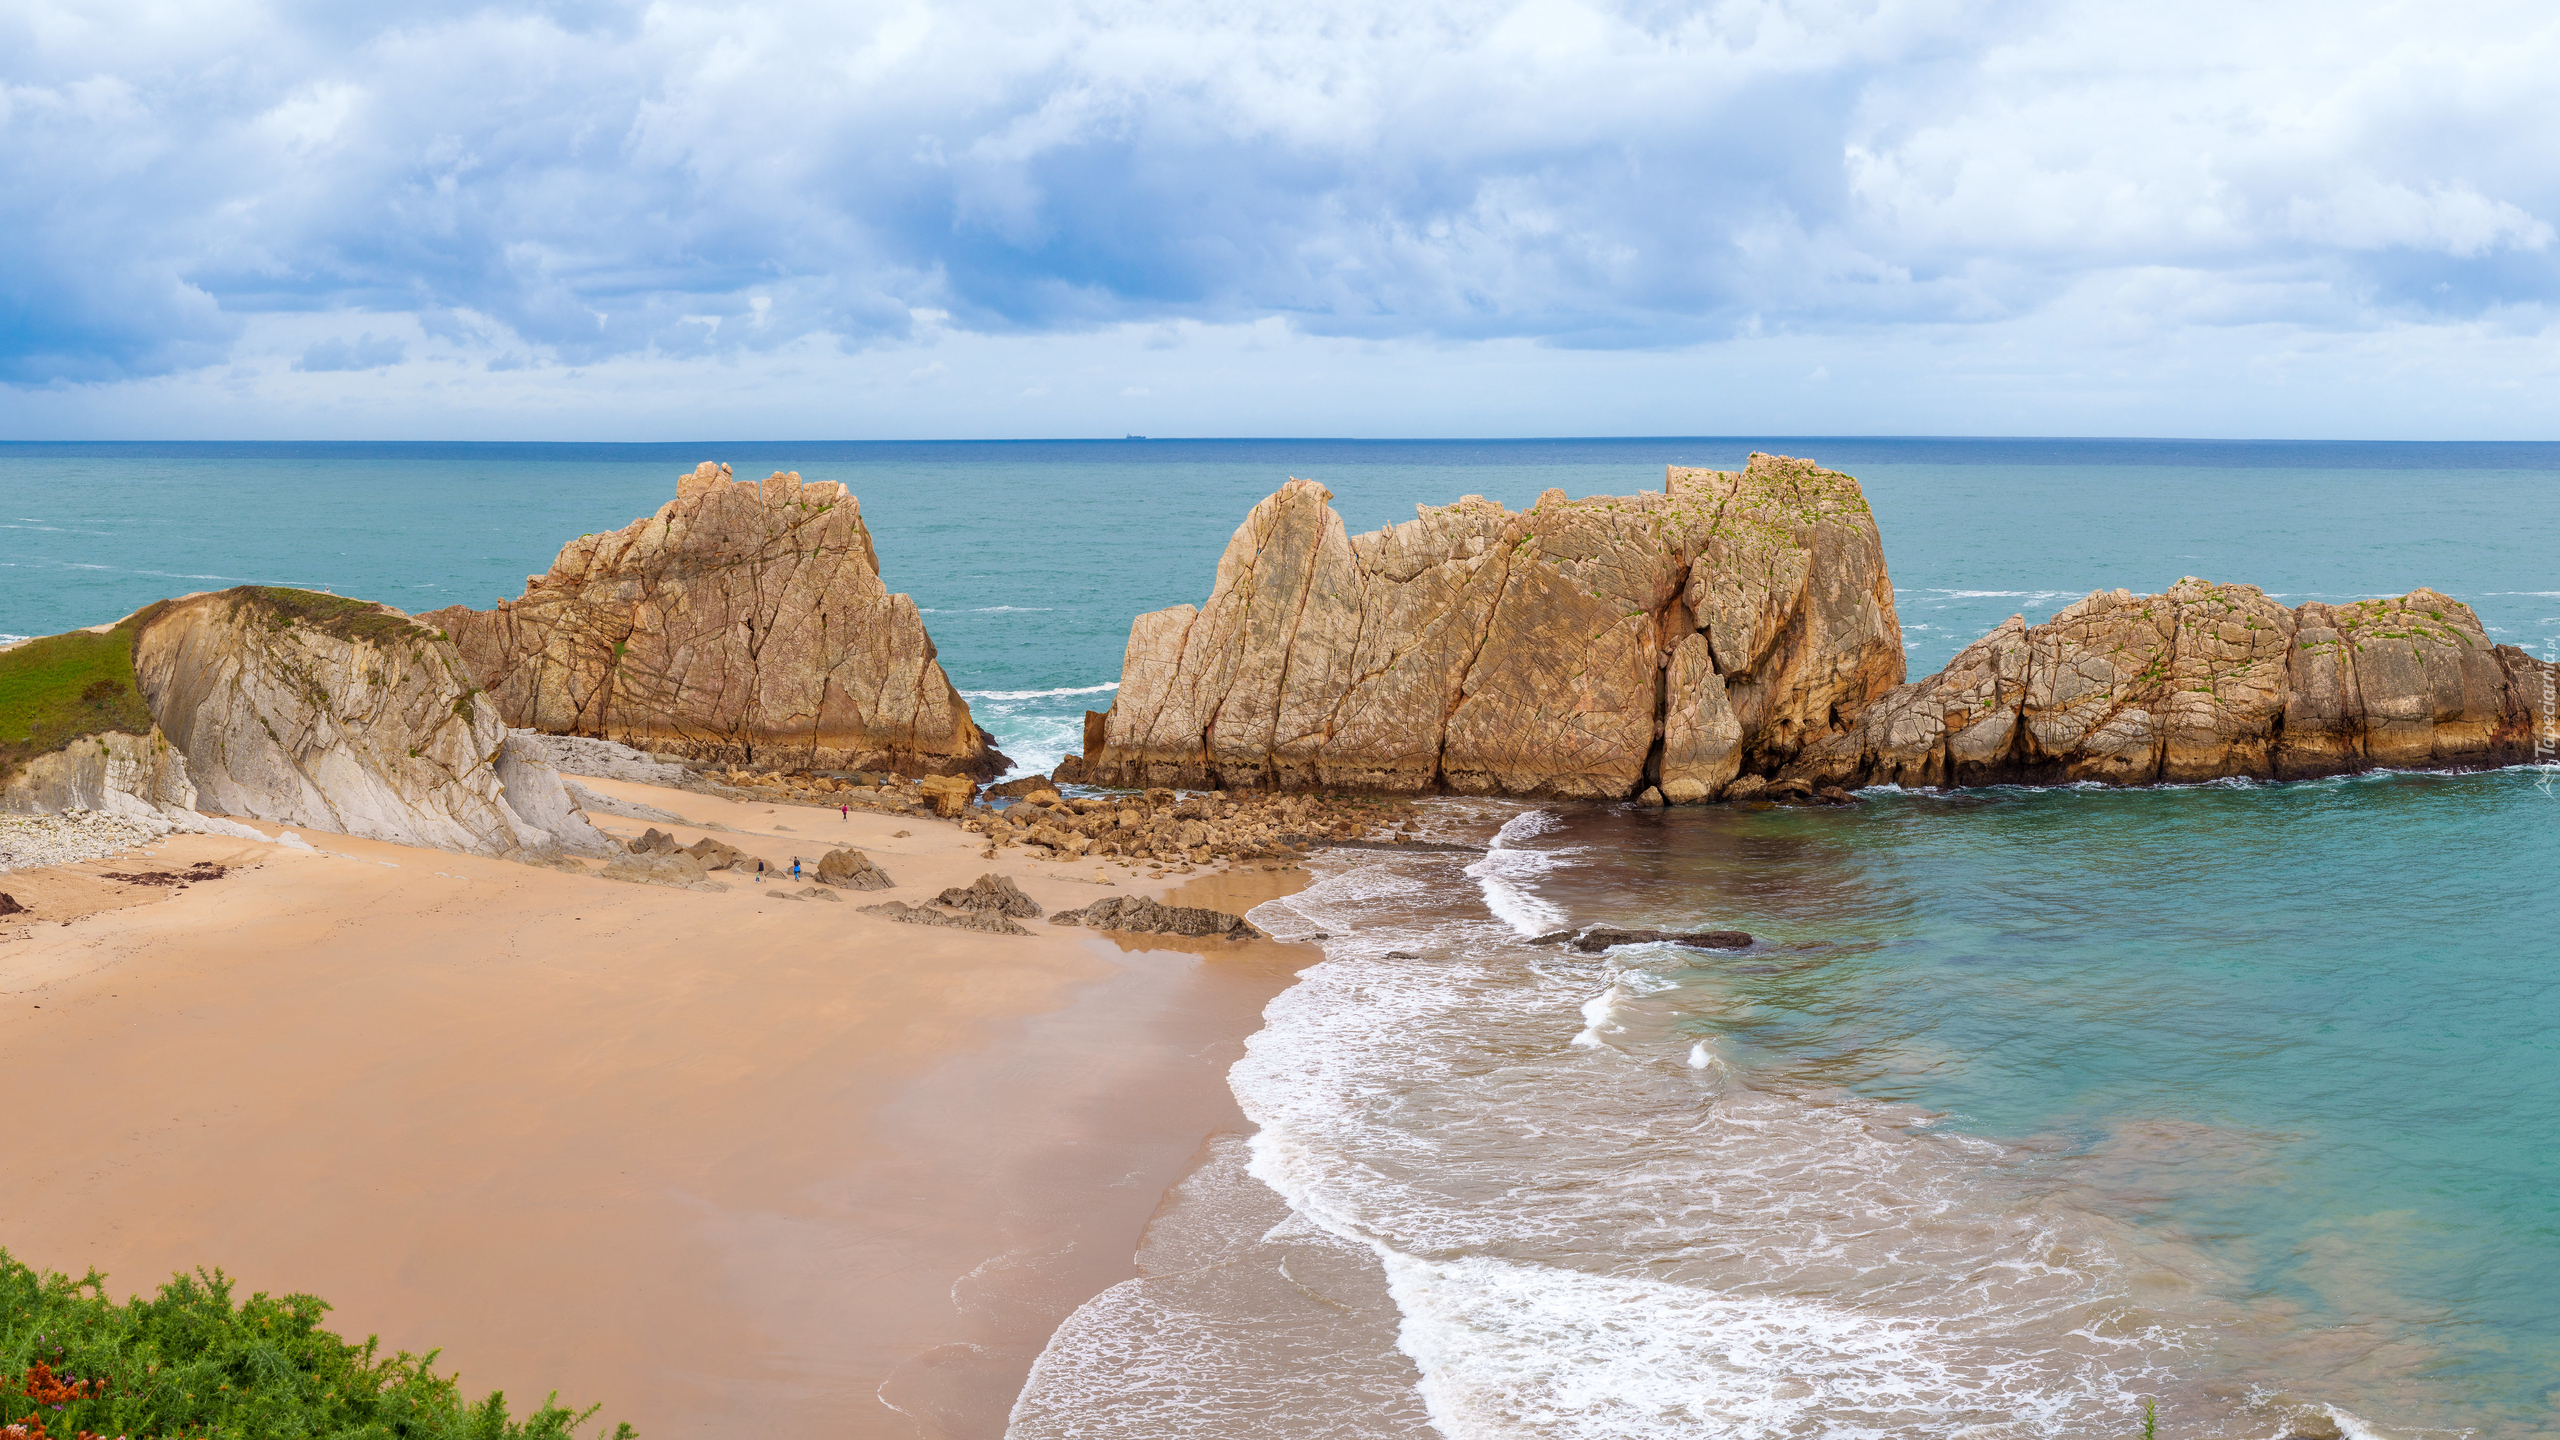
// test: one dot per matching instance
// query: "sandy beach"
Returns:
(726, 1163)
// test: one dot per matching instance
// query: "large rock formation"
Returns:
(744, 623)
(1582, 648)
(2197, 683)
(342, 715)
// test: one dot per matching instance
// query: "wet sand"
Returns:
(728, 1164)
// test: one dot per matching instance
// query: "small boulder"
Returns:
(1746, 787)
(851, 870)
(655, 841)
(991, 892)
(1650, 799)
(1070, 771)
(950, 794)
(715, 855)
(1017, 789)
(1794, 789)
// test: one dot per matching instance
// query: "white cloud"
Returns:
(597, 183)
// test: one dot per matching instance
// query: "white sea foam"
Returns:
(1593, 1231)
(1505, 874)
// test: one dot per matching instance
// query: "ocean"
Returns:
(2027, 1107)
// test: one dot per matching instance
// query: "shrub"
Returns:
(189, 1364)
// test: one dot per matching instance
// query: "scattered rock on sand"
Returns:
(1139, 914)
(9, 906)
(716, 855)
(1601, 937)
(991, 892)
(950, 794)
(654, 841)
(906, 914)
(852, 870)
(675, 869)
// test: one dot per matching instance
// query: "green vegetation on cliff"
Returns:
(332, 614)
(190, 1363)
(63, 687)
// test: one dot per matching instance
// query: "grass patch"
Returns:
(189, 1362)
(61, 688)
(331, 614)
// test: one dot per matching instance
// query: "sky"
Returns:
(991, 219)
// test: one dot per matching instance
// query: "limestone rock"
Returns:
(340, 715)
(1733, 618)
(987, 921)
(1140, 914)
(950, 794)
(541, 799)
(851, 870)
(991, 892)
(674, 869)
(140, 777)
(718, 855)
(742, 622)
(2200, 682)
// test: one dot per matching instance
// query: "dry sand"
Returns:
(729, 1164)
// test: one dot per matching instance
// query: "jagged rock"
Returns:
(654, 841)
(1017, 789)
(1746, 787)
(2200, 682)
(717, 855)
(991, 892)
(950, 794)
(851, 870)
(741, 621)
(1070, 771)
(676, 870)
(1600, 937)
(140, 777)
(1735, 617)
(984, 920)
(1140, 914)
(336, 714)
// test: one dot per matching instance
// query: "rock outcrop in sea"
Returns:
(744, 623)
(1578, 649)
(302, 709)
(2200, 682)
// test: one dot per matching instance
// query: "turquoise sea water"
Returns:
(2293, 1044)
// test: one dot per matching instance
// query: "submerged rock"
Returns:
(741, 622)
(1731, 619)
(2201, 682)
(1600, 937)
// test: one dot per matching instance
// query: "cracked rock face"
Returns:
(2200, 682)
(345, 716)
(1579, 649)
(744, 623)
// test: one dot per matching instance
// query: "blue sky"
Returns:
(1222, 217)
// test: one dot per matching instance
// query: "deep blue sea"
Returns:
(2033, 1104)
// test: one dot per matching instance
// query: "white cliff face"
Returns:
(339, 715)
(136, 777)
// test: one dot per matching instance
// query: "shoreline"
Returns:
(711, 1160)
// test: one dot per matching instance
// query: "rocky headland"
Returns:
(282, 705)
(2200, 682)
(1579, 649)
(744, 623)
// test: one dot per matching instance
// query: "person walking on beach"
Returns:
(795, 867)
(844, 812)
(759, 872)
